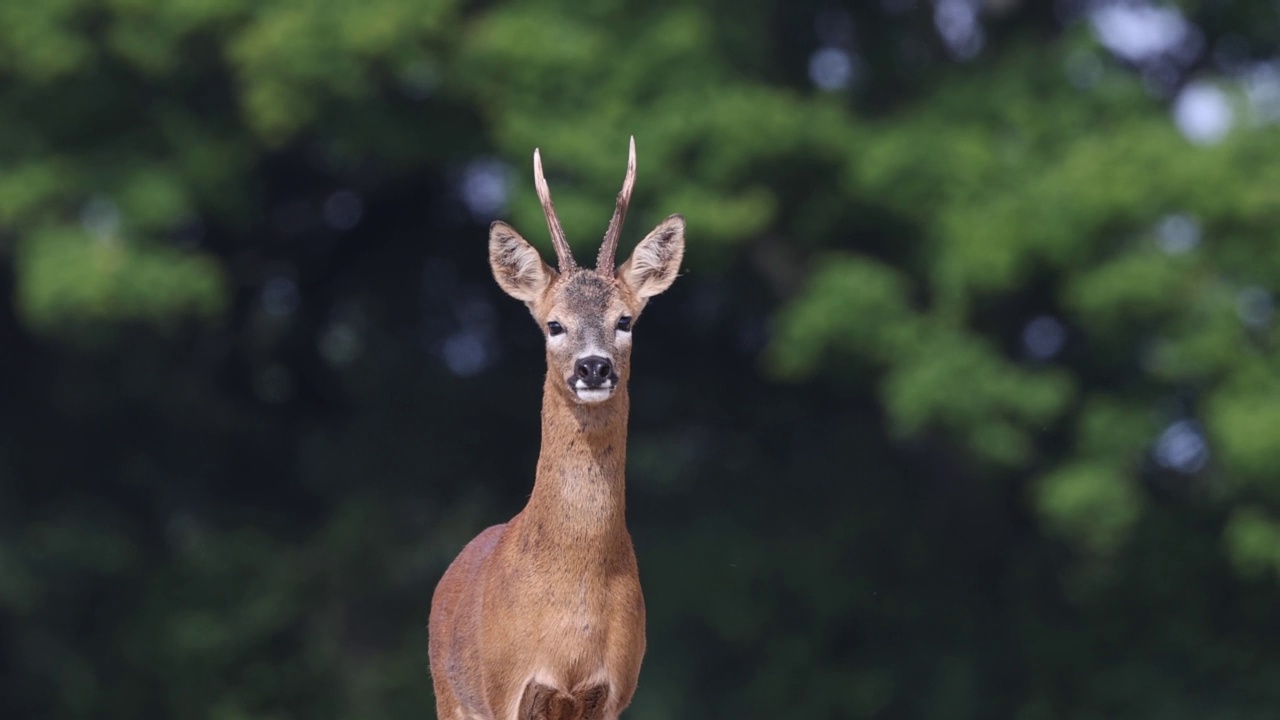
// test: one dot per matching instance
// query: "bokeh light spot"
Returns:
(1178, 233)
(1261, 84)
(340, 344)
(1182, 448)
(1203, 113)
(957, 23)
(1044, 337)
(831, 68)
(465, 354)
(1254, 306)
(485, 187)
(100, 217)
(1139, 32)
(280, 296)
(343, 210)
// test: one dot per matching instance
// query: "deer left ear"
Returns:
(656, 261)
(516, 265)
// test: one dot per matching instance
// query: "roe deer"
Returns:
(542, 618)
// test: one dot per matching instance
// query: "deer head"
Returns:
(587, 315)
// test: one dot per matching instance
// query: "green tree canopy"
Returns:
(987, 288)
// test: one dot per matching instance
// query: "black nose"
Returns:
(593, 371)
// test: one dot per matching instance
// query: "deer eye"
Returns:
(624, 323)
(555, 328)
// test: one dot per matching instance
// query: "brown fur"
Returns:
(542, 618)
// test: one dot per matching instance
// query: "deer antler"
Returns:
(609, 249)
(553, 223)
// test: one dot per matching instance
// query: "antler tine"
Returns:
(563, 253)
(609, 249)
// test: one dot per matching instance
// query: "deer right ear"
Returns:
(516, 264)
(656, 261)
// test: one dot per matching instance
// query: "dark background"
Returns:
(966, 406)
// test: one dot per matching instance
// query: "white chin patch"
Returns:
(595, 396)
(592, 395)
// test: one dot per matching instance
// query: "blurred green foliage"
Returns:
(236, 454)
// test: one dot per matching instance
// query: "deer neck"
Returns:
(579, 491)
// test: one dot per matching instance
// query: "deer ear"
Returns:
(656, 261)
(516, 264)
